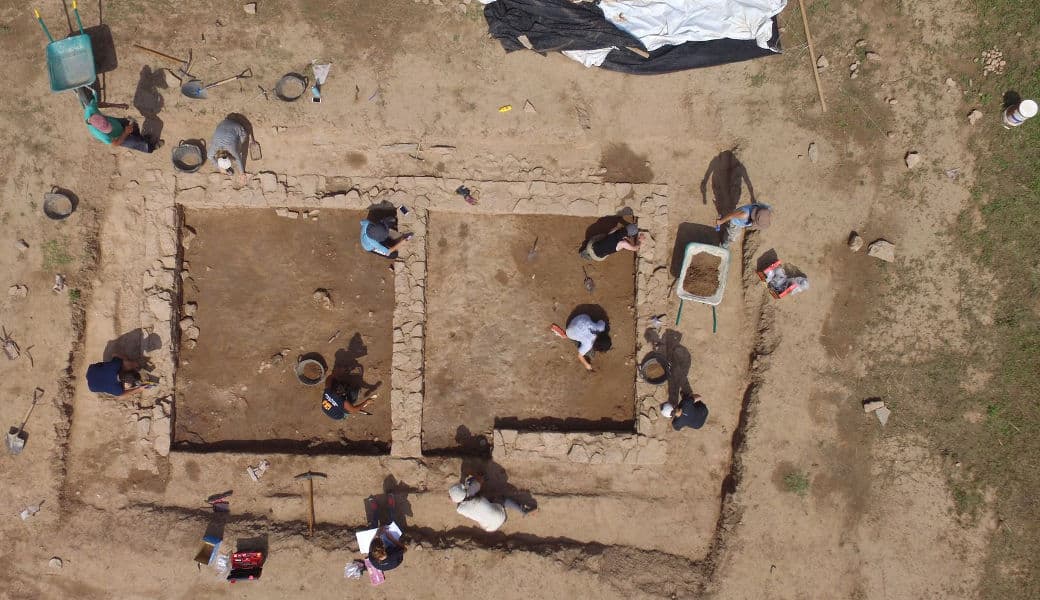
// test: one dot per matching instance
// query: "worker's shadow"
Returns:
(403, 507)
(133, 345)
(496, 481)
(726, 175)
(149, 102)
(687, 233)
(679, 362)
(348, 369)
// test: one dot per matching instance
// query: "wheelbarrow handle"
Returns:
(39, 20)
(75, 9)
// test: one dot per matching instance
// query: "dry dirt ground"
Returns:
(490, 357)
(722, 518)
(252, 276)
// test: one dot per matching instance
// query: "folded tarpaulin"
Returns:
(577, 28)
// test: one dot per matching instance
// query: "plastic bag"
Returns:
(354, 569)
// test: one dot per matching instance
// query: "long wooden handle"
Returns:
(243, 75)
(157, 53)
(31, 407)
(812, 55)
(310, 521)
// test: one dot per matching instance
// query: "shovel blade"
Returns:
(16, 440)
(194, 89)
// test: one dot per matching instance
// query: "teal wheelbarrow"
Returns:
(70, 62)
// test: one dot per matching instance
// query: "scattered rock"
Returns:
(872, 404)
(855, 242)
(853, 67)
(292, 214)
(578, 453)
(190, 308)
(22, 245)
(974, 116)
(18, 291)
(192, 333)
(281, 212)
(882, 415)
(822, 62)
(912, 159)
(873, 56)
(950, 83)
(882, 250)
(891, 135)
(249, 8)
(814, 153)
(953, 173)
(529, 108)
(144, 425)
(55, 563)
(893, 101)
(268, 182)
(186, 322)
(322, 297)
(188, 236)
(861, 43)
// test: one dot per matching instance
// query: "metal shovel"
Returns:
(197, 90)
(17, 436)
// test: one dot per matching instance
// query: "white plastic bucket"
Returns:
(1018, 114)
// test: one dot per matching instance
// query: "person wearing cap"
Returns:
(691, 412)
(625, 236)
(340, 399)
(375, 237)
(227, 147)
(758, 216)
(113, 131)
(489, 515)
(589, 335)
(116, 377)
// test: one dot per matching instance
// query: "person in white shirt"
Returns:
(588, 334)
(489, 515)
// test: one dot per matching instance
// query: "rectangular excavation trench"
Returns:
(490, 359)
(252, 276)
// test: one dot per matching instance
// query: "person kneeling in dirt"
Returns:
(116, 377)
(376, 237)
(623, 237)
(589, 335)
(115, 132)
(489, 515)
(341, 399)
(387, 550)
(758, 216)
(226, 149)
(691, 412)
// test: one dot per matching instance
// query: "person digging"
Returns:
(625, 236)
(691, 412)
(589, 335)
(341, 399)
(757, 216)
(228, 146)
(116, 377)
(116, 132)
(489, 515)
(377, 237)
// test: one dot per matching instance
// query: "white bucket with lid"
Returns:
(1018, 114)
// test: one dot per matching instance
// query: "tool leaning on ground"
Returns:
(309, 476)
(16, 436)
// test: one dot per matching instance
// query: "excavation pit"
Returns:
(264, 290)
(491, 360)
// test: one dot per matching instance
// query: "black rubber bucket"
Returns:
(291, 87)
(189, 156)
(654, 369)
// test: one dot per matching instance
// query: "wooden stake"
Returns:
(812, 55)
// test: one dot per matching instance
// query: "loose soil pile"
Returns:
(702, 276)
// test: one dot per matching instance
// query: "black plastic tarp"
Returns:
(557, 25)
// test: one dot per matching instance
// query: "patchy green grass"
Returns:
(55, 254)
(796, 482)
(74, 294)
(757, 80)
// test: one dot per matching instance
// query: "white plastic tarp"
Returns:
(659, 23)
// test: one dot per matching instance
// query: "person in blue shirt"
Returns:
(116, 377)
(758, 216)
(376, 238)
(113, 131)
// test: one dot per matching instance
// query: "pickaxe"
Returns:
(309, 476)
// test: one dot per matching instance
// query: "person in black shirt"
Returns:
(691, 412)
(623, 237)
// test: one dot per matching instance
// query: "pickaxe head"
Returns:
(311, 475)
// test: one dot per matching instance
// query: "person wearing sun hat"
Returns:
(691, 412)
(113, 131)
(228, 145)
(757, 216)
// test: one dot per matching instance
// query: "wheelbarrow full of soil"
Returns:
(703, 275)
